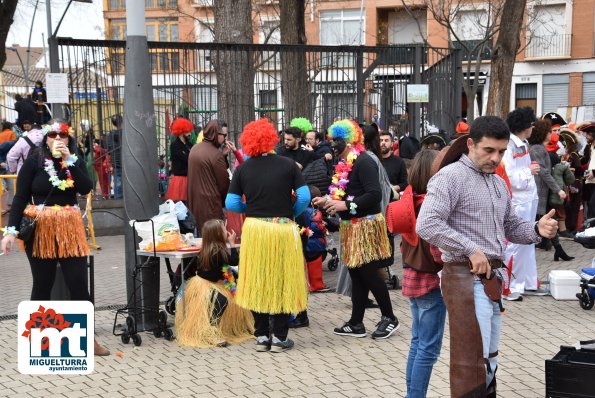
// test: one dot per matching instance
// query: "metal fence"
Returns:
(243, 82)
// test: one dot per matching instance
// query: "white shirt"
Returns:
(517, 161)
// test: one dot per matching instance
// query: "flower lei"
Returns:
(337, 189)
(51, 170)
(229, 281)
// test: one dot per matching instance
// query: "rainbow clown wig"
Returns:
(181, 126)
(259, 137)
(346, 130)
(301, 123)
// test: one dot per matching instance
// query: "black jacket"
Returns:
(300, 155)
(317, 174)
(114, 147)
(179, 157)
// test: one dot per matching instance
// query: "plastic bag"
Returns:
(163, 224)
(178, 208)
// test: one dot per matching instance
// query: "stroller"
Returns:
(587, 295)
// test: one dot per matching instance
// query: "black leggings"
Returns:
(365, 279)
(74, 270)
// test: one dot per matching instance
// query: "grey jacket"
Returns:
(544, 180)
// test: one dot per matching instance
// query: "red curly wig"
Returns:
(181, 126)
(258, 137)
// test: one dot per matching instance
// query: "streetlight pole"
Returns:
(25, 74)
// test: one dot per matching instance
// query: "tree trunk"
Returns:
(7, 9)
(294, 74)
(503, 57)
(234, 66)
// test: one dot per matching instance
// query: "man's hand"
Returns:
(319, 201)
(480, 264)
(562, 194)
(231, 146)
(308, 147)
(328, 156)
(299, 165)
(333, 206)
(396, 188)
(547, 226)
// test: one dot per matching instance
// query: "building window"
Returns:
(118, 29)
(270, 33)
(548, 32)
(117, 4)
(268, 105)
(470, 28)
(342, 27)
(153, 4)
(162, 29)
(526, 95)
(165, 61)
(589, 88)
(404, 29)
(555, 92)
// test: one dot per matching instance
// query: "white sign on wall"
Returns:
(418, 93)
(56, 87)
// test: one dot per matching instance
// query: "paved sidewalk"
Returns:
(321, 365)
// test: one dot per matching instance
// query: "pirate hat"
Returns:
(400, 217)
(588, 126)
(555, 118)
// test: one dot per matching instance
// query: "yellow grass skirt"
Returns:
(272, 279)
(193, 317)
(364, 240)
(59, 232)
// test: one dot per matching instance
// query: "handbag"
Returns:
(28, 224)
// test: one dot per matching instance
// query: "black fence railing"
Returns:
(474, 49)
(240, 83)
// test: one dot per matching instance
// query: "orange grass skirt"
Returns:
(59, 232)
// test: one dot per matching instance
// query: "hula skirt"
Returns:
(272, 279)
(194, 326)
(177, 188)
(59, 232)
(363, 240)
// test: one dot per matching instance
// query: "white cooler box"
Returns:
(564, 284)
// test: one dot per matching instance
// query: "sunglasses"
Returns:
(53, 134)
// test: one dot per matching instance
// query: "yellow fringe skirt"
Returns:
(193, 317)
(363, 240)
(272, 279)
(59, 232)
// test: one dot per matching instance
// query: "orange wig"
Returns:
(258, 137)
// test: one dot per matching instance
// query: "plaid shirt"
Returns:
(466, 210)
(416, 284)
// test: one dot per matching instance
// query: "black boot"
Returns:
(300, 321)
(545, 244)
(560, 253)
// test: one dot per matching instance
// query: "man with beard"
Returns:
(208, 179)
(395, 166)
(292, 137)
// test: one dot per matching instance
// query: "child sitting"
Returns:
(207, 315)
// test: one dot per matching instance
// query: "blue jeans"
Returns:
(428, 313)
(118, 191)
(488, 317)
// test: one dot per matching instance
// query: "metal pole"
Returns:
(139, 165)
(29, 42)
(57, 111)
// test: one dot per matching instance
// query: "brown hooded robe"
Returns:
(208, 179)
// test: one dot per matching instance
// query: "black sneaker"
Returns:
(385, 328)
(299, 322)
(371, 304)
(263, 343)
(350, 330)
(280, 346)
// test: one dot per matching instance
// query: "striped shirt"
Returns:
(466, 210)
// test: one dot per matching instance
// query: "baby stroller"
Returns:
(587, 295)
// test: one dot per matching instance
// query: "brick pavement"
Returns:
(321, 365)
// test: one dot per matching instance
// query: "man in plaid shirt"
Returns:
(467, 213)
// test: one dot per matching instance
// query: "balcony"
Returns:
(202, 3)
(484, 52)
(548, 46)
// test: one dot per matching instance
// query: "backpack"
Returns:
(31, 144)
(316, 173)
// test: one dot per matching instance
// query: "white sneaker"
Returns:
(514, 296)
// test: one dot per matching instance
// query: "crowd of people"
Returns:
(530, 177)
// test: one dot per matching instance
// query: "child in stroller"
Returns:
(587, 239)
